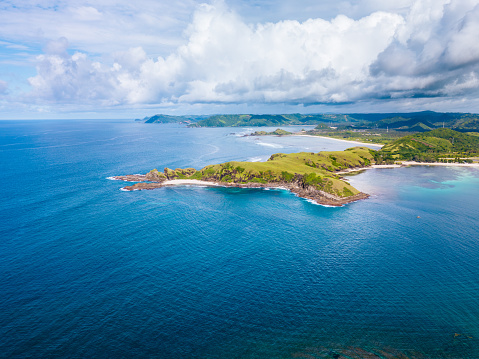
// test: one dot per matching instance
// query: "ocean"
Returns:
(89, 271)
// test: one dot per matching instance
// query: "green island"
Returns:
(277, 132)
(319, 176)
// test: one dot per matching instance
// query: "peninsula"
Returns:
(315, 176)
(318, 176)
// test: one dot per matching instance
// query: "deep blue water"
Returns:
(87, 270)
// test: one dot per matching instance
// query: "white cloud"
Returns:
(71, 78)
(430, 52)
(435, 52)
(86, 13)
(227, 60)
(99, 27)
(3, 87)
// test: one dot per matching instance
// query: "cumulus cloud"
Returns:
(97, 26)
(435, 52)
(430, 52)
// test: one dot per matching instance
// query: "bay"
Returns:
(193, 272)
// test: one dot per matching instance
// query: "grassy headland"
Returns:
(309, 175)
(317, 175)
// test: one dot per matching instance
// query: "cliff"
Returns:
(309, 175)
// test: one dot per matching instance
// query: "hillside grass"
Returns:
(305, 169)
(431, 146)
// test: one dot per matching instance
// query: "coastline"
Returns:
(188, 182)
(413, 163)
(308, 193)
(338, 139)
(410, 163)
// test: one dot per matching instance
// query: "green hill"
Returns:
(432, 145)
(160, 118)
(309, 175)
(270, 120)
(407, 122)
(288, 167)
(420, 121)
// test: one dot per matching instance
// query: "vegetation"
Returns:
(362, 135)
(268, 120)
(305, 169)
(311, 174)
(277, 132)
(338, 124)
(171, 119)
(442, 144)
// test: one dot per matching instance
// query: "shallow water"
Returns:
(186, 272)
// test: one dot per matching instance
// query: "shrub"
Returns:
(286, 176)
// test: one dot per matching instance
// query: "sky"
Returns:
(131, 59)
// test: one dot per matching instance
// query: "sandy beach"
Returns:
(410, 163)
(188, 182)
(338, 139)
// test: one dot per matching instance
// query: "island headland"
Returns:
(319, 176)
(314, 176)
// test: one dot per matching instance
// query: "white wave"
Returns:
(241, 134)
(246, 131)
(273, 145)
(124, 190)
(319, 204)
(215, 150)
(113, 179)
(280, 188)
(255, 159)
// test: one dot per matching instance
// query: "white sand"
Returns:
(186, 182)
(412, 163)
(385, 166)
(338, 139)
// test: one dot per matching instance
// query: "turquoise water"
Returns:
(90, 271)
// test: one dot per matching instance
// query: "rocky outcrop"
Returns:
(308, 192)
(325, 198)
(143, 185)
(131, 178)
(170, 174)
(155, 176)
(299, 189)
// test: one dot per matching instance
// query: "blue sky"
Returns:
(114, 59)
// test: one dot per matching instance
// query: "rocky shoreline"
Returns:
(308, 192)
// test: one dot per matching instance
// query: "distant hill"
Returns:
(405, 124)
(408, 122)
(270, 120)
(429, 146)
(420, 121)
(171, 119)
